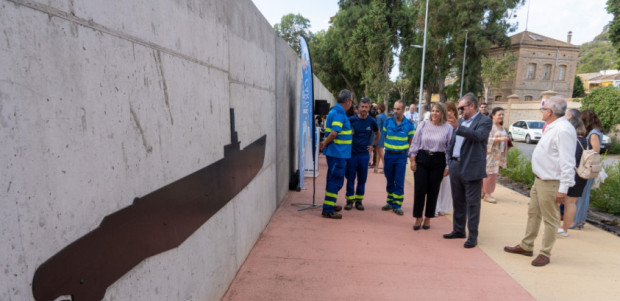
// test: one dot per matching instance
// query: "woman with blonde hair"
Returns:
(496, 154)
(429, 163)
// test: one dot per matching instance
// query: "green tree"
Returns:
(613, 7)
(604, 102)
(494, 70)
(291, 27)
(402, 86)
(578, 89)
(486, 23)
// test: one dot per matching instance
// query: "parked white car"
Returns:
(605, 144)
(529, 131)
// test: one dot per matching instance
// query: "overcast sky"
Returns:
(552, 18)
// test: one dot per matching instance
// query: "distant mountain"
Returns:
(597, 55)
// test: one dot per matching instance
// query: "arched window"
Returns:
(531, 71)
(547, 73)
(562, 72)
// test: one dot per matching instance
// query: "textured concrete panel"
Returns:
(102, 102)
(251, 47)
(194, 28)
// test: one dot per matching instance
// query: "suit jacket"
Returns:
(473, 158)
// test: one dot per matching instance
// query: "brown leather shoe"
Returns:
(518, 250)
(540, 261)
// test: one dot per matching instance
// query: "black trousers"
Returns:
(465, 200)
(427, 178)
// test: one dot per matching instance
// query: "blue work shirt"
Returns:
(397, 135)
(337, 121)
(362, 132)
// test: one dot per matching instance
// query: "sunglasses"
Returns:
(461, 108)
(544, 109)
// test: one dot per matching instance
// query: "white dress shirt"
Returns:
(554, 156)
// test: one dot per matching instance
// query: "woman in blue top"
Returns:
(379, 147)
(593, 126)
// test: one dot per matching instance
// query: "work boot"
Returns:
(386, 207)
(398, 211)
(359, 206)
(337, 208)
(349, 205)
(331, 215)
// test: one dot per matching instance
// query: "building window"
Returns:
(547, 74)
(531, 71)
(562, 72)
(498, 98)
(528, 98)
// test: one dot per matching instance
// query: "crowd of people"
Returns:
(455, 151)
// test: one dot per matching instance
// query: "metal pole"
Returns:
(463, 72)
(423, 58)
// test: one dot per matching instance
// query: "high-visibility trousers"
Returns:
(394, 169)
(336, 168)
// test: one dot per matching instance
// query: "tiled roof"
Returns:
(603, 78)
(534, 39)
(589, 75)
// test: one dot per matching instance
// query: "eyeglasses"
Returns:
(544, 109)
(461, 108)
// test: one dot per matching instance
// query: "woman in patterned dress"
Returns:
(496, 154)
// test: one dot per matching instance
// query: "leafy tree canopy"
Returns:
(604, 102)
(291, 27)
(578, 88)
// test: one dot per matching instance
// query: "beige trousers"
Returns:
(542, 207)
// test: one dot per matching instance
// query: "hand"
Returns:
(446, 172)
(370, 148)
(560, 198)
(413, 166)
(453, 121)
(322, 145)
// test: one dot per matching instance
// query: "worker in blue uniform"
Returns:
(357, 166)
(337, 149)
(398, 132)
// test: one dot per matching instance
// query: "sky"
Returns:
(551, 18)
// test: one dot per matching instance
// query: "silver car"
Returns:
(529, 131)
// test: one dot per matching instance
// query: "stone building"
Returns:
(542, 64)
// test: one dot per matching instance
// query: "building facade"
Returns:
(542, 64)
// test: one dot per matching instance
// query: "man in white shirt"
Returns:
(553, 163)
(412, 115)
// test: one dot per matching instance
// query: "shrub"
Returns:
(614, 149)
(606, 198)
(519, 168)
(604, 102)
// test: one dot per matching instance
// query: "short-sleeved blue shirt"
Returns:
(337, 121)
(397, 135)
(362, 132)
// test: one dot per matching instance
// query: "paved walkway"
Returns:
(376, 255)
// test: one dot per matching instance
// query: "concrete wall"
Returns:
(105, 101)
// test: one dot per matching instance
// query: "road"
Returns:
(527, 150)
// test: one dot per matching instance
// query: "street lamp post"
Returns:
(463, 72)
(423, 59)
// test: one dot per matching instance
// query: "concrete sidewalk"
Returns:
(376, 255)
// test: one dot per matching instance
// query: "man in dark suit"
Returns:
(467, 152)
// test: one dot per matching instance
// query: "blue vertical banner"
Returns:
(306, 100)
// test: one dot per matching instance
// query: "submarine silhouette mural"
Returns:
(152, 224)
